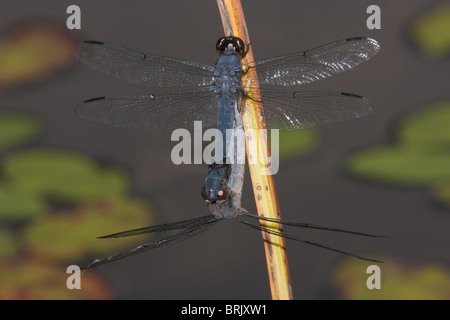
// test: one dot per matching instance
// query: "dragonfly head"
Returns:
(212, 195)
(230, 45)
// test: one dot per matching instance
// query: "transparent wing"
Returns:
(316, 244)
(176, 238)
(162, 227)
(145, 69)
(292, 110)
(315, 64)
(158, 113)
(305, 225)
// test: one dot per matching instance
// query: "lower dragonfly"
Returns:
(211, 95)
(226, 205)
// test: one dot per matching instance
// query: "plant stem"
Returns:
(257, 148)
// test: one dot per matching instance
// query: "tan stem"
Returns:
(257, 148)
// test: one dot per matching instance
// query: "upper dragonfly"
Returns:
(210, 94)
(202, 88)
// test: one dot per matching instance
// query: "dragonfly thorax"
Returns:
(228, 74)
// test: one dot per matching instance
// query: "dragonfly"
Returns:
(227, 205)
(183, 92)
(212, 95)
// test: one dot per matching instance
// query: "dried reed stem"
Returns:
(257, 148)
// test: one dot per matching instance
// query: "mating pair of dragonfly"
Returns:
(216, 96)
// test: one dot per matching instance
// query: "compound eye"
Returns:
(222, 193)
(221, 44)
(239, 45)
(205, 197)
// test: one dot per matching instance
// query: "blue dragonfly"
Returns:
(213, 95)
(182, 92)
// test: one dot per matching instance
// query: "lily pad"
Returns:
(398, 282)
(441, 192)
(35, 280)
(63, 175)
(427, 129)
(34, 52)
(297, 143)
(400, 166)
(8, 245)
(294, 144)
(420, 155)
(17, 206)
(430, 32)
(17, 129)
(71, 235)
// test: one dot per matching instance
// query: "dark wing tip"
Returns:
(351, 95)
(104, 237)
(361, 39)
(79, 110)
(113, 235)
(81, 47)
(365, 105)
(94, 99)
(355, 39)
(100, 43)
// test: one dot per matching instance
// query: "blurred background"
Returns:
(64, 181)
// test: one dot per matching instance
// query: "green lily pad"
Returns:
(8, 245)
(441, 192)
(71, 235)
(398, 281)
(18, 206)
(427, 129)
(37, 280)
(63, 175)
(16, 129)
(420, 156)
(294, 144)
(430, 32)
(400, 166)
(297, 143)
(34, 52)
